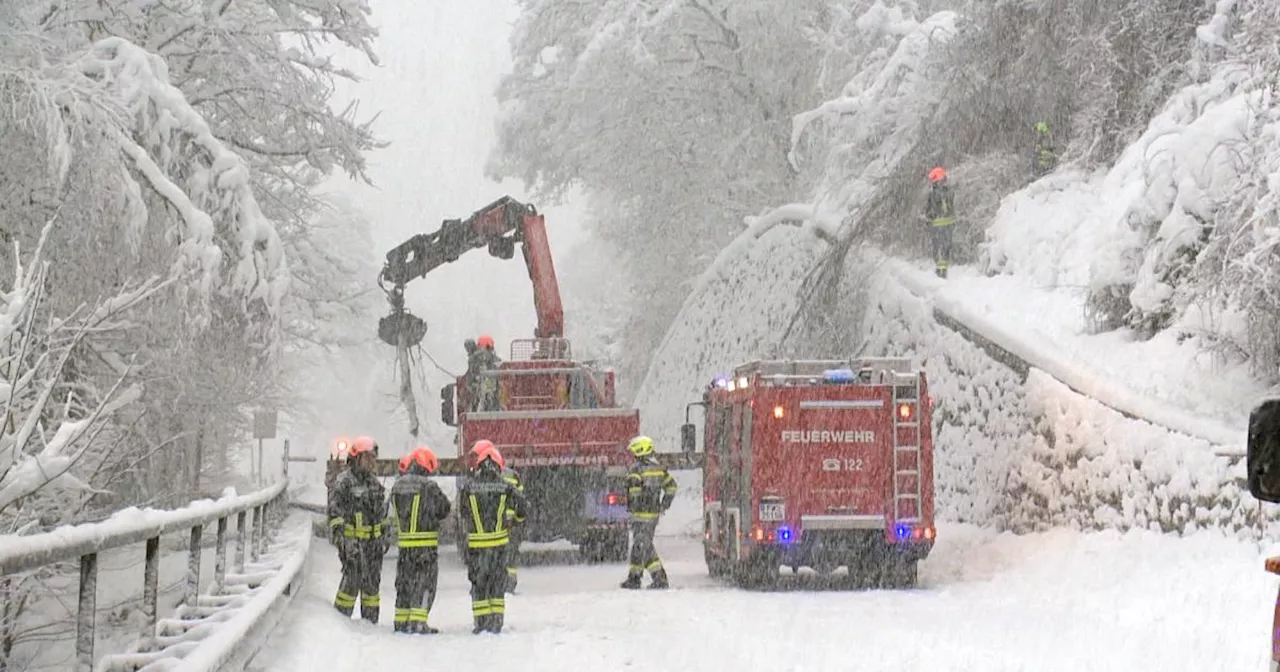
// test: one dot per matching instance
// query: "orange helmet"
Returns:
(363, 444)
(426, 459)
(485, 450)
(485, 341)
(938, 174)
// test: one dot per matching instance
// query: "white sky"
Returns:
(441, 62)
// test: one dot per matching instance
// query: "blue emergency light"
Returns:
(784, 535)
(838, 375)
(902, 530)
(720, 381)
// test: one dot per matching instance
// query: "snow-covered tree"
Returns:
(677, 114)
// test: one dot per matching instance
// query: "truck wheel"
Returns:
(760, 571)
(716, 566)
(897, 573)
(615, 547)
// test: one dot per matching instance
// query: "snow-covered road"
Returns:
(1055, 601)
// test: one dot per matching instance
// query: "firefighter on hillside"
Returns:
(1044, 159)
(940, 211)
(357, 512)
(650, 492)
(484, 500)
(516, 525)
(482, 390)
(417, 507)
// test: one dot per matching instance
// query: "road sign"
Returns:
(264, 424)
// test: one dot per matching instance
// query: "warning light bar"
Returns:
(838, 376)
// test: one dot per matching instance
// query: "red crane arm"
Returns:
(498, 226)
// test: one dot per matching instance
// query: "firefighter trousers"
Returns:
(361, 577)
(942, 239)
(487, 571)
(417, 575)
(643, 554)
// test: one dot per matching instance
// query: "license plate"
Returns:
(772, 512)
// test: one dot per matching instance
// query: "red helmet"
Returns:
(485, 450)
(938, 174)
(485, 341)
(363, 444)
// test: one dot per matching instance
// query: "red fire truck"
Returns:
(817, 464)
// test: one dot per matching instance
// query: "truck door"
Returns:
(721, 418)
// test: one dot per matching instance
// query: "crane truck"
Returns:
(817, 463)
(557, 420)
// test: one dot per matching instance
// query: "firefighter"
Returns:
(470, 381)
(417, 507)
(940, 213)
(484, 500)
(650, 492)
(486, 387)
(357, 512)
(1044, 159)
(516, 525)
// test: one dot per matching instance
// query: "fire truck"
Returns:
(554, 419)
(817, 464)
(1262, 463)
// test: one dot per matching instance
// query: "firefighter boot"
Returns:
(369, 613)
(495, 623)
(659, 580)
(511, 580)
(632, 582)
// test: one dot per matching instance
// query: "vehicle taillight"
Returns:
(778, 412)
(614, 499)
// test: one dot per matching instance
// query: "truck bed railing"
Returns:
(571, 413)
(525, 349)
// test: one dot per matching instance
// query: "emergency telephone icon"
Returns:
(831, 464)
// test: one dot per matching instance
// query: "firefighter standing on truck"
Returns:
(357, 511)
(650, 492)
(417, 507)
(484, 500)
(516, 525)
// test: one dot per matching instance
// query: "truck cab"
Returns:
(820, 464)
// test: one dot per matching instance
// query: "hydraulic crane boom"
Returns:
(498, 226)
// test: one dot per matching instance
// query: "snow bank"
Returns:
(1089, 467)
(128, 526)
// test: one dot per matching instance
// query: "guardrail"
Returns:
(83, 543)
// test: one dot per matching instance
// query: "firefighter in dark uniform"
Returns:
(940, 211)
(357, 513)
(516, 525)
(650, 492)
(417, 507)
(484, 359)
(483, 502)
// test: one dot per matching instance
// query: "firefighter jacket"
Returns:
(357, 504)
(483, 503)
(512, 477)
(650, 490)
(940, 210)
(417, 507)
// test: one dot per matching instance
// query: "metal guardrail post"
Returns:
(193, 568)
(85, 616)
(258, 526)
(242, 534)
(150, 593)
(220, 557)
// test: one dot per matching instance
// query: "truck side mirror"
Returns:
(446, 405)
(1263, 452)
(688, 438)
